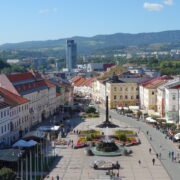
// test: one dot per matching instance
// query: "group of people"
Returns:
(173, 157)
(57, 178)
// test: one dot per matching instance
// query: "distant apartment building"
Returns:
(98, 67)
(143, 70)
(71, 54)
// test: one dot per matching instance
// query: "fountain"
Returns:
(107, 123)
(107, 147)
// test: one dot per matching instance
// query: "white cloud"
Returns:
(45, 11)
(153, 6)
(169, 2)
(55, 9)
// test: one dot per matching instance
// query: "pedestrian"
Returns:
(147, 132)
(149, 150)
(57, 177)
(157, 155)
(169, 154)
(153, 161)
(150, 138)
(172, 153)
(139, 162)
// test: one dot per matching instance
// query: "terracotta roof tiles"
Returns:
(12, 98)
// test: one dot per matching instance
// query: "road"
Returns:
(158, 142)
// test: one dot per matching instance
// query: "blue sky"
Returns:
(25, 20)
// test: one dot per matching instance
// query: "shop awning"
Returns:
(149, 119)
(11, 155)
(49, 128)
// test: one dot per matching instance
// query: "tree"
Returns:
(7, 174)
(91, 110)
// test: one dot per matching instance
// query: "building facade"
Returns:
(71, 54)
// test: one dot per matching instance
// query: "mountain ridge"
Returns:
(90, 44)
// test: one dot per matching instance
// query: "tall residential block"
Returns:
(71, 54)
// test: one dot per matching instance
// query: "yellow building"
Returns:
(123, 91)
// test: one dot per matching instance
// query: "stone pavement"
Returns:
(75, 165)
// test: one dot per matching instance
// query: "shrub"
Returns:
(90, 110)
(7, 174)
(122, 137)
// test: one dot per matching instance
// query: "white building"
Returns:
(172, 101)
(30, 85)
(92, 67)
(4, 122)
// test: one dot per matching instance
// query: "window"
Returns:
(115, 97)
(126, 97)
(121, 89)
(152, 92)
(1, 114)
(174, 108)
(137, 97)
(174, 97)
(121, 97)
(132, 88)
(2, 129)
(137, 88)
(126, 89)
(131, 97)
(114, 88)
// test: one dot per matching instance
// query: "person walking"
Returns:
(149, 150)
(139, 162)
(160, 156)
(147, 132)
(157, 155)
(169, 154)
(150, 138)
(57, 177)
(153, 161)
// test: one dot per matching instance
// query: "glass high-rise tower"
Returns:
(71, 54)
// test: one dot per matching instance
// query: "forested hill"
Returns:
(89, 44)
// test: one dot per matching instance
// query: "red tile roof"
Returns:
(24, 76)
(176, 87)
(49, 83)
(156, 82)
(83, 81)
(76, 78)
(12, 98)
(20, 76)
(3, 104)
(30, 86)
